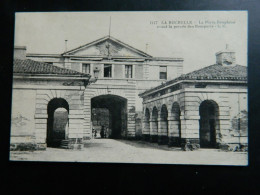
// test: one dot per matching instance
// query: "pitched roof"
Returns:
(213, 72)
(219, 72)
(33, 67)
(104, 39)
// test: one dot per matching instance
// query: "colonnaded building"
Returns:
(205, 108)
(56, 103)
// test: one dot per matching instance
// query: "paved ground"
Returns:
(125, 151)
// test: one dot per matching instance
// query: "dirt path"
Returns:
(124, 151)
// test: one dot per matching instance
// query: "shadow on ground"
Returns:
(144, 144)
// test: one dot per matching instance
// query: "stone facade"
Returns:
(204, 108)
(121, 83)
(35, 98)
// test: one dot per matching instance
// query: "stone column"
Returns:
(153, 132)
(146, 130)
(162, 131)
(174, 132)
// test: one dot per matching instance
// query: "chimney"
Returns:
(66, 45)
(20, 52)
(226, 57)
(146, 47)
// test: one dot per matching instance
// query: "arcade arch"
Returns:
(175, 125)
(163, 137)
(154, 125)
(146, 131)
(209, 123)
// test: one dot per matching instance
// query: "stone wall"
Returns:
(29, 110)
(22, 119)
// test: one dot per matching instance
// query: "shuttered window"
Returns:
(163, 72)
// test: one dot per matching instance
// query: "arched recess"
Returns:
(209, 124)
(57, 122)
(163, 137)
(175, 125)
(115, 123)
(154, 125)
(146, 131)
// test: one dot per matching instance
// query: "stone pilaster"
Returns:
(154, 130)
(174, 132)
(75, 128)
(190, 133)
(146, 130)
(162, 131)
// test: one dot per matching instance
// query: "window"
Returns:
(86, 68)
(107, 70)
(51, 63)
(128, 71)
(163, 72)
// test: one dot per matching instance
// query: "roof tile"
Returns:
(33, 67)
(213, 72)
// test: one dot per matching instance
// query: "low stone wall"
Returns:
(27, 146)
(234, 147)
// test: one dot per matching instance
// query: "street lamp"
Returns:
(94, 79)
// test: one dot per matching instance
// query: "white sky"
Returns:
(45, 32)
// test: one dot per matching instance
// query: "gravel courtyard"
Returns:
(125, 151)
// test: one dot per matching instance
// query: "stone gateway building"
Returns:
(58, 99)
(205, 108)
(122, 73)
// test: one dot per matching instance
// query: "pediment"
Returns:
(107, 47)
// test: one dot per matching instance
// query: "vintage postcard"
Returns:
(164, 87)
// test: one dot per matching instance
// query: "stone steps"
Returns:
(64, 144)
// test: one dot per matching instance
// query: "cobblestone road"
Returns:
(125, 151)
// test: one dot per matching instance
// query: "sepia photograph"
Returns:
(150, 87)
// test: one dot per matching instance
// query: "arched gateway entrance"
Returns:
(112, 111)
(209, 123)
(57, 124)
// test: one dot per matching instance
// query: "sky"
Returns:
(197, 37)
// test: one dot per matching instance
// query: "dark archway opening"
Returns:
(209, 124)
(57, 122)
(146, 131)
(154, 126)
(163, 138)
(175, 139)
(115, 121)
